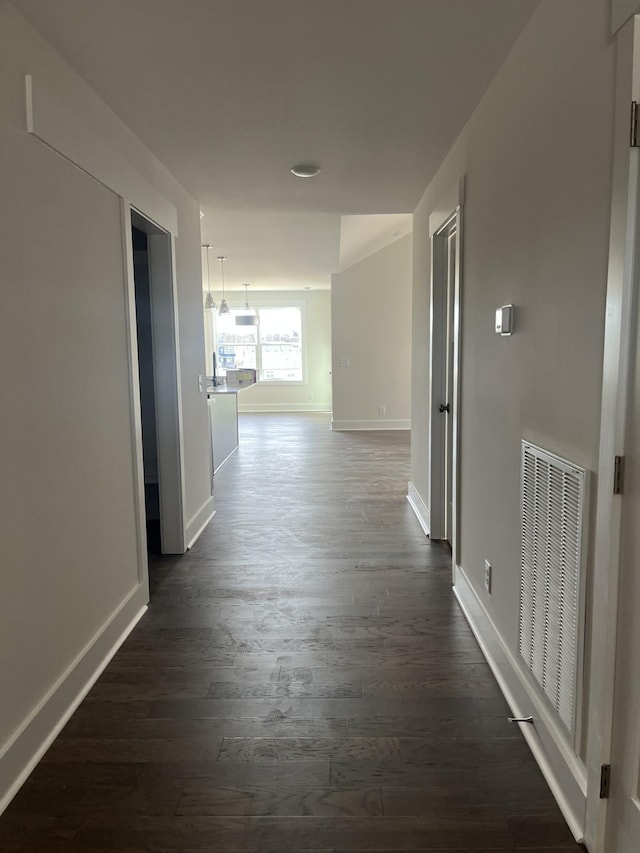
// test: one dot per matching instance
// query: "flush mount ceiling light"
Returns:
(224, 308)
(209, 302)
(250, 318)
(305, 170)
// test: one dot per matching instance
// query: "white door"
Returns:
(444, 379)
(449, 380)
(613, 825)
(623, 813)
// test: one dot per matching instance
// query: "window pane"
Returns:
(282, 363)
(280, 325)
(229, 333)
(281, 344)
(233, 357)
(274, 348)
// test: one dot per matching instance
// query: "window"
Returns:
(274, 348)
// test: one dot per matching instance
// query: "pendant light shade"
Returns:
(250, 317)
(224, 308)
(209, 302)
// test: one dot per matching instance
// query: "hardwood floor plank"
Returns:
(138, 750)
(495, 726)
(307, 749)
(465, 794)
(286, 690)
(275, 834)
(401, 773)
(159, 797)
(201, 798)
(208, 727)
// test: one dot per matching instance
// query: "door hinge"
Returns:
(618, 475)
(633, 140)
(605, 781)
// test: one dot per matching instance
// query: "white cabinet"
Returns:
(223, 420)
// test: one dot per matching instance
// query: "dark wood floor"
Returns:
(303, 680)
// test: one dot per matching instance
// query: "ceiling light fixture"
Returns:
(251, 317)
(305, 170)
(224, 308)
(209, 302)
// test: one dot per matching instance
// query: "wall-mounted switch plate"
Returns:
(345, 362)
(382, 410)
(201, 382)
(487, 576)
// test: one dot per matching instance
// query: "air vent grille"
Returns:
(553, 504)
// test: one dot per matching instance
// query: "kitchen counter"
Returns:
(228, 389)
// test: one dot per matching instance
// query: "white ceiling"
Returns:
(229, 94)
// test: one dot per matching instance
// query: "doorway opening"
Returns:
(159, 387)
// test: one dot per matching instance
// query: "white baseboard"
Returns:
(199, 521)
(563, 771)
(419, 507)
(29, 743)
(343, 426)
(283, 407)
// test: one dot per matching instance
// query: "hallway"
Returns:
(303, 680)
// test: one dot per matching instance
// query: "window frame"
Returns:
(258, 305)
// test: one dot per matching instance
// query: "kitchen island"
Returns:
(223, 420)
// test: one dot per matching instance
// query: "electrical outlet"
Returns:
(345, 362)
(487, 576)
(310, 395)
(382, 410)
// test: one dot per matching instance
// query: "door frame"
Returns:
(448, 212)
(168, 391)
(622, 284)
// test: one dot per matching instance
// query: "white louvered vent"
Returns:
(551, 580)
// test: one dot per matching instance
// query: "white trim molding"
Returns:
(199, 521)
(445, 221)
(345, 426)
(258, 408)
(29, 743)
(64, 127)
(621, 11)
(419, 507)
(447, 204)
(562, 769)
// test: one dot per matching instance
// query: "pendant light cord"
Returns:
(222, 259)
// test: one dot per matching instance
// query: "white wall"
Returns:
(371, 326)
(536, 225)
(70, 580)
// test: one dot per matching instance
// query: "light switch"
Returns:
(345, 362)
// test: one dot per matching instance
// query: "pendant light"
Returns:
(209, 302)
(250, 318)
(224, 308)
